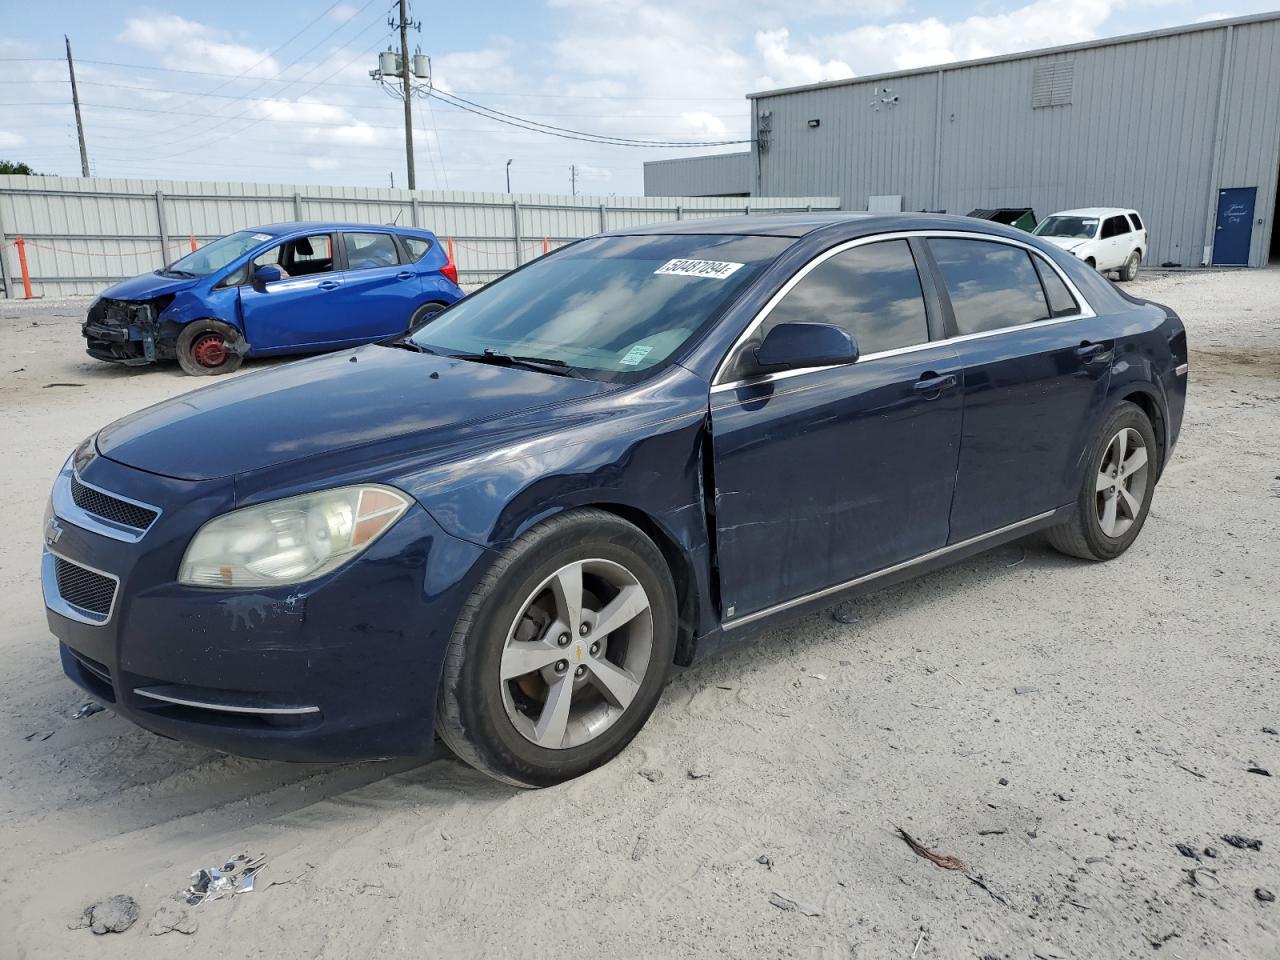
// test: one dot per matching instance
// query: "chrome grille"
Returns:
(85, 589)
(101, 504)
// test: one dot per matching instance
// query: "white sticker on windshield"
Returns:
(715, 269)
(262, 237)
(635, 355)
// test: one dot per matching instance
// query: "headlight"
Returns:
(291, 540)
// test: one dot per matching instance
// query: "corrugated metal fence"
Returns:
(81, 234)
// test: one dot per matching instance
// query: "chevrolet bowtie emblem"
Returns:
(52, 531)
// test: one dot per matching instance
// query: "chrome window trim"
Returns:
(877, 574)
(155, 694)
(66, 508)
(53, 596)
(1085, 311)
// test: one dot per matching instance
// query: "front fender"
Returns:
(199, 304)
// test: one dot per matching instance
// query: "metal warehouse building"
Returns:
(1181, 124)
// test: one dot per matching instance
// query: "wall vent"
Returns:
(1053, 83)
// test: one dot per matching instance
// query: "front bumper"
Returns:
(120, 331)
(343, 668)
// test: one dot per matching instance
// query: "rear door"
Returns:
(1117, 237)
(303, 309)
(381, 291)
(1036, 366)
(828, 473)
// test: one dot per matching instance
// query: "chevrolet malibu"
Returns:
(506, 526)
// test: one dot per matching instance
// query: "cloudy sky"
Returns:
(279, 92)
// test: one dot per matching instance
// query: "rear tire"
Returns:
(425, 313)
(1129, 269)
(207, 348)
(1115, 492)
(588, 691)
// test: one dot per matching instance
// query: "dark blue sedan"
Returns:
(280, 289)
(506, 526)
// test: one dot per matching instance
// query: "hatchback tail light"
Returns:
(450, 269)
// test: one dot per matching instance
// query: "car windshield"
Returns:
(1077, 228)
(212, 257)
(612, 308)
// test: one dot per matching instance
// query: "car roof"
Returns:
(293, 226)
(804, 224)
(1093, 212)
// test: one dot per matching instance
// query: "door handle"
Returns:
(932, 383)
(328, 285)
(1092, 351)
(404, 275)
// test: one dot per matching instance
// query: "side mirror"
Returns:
(789, 346)
(264, 275)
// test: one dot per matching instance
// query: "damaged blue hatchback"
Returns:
(280, 289)
(506, 526)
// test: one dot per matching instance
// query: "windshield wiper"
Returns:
(170, 272)
(541, 364)
(408, 345)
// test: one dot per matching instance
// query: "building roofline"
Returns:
(1023, 55)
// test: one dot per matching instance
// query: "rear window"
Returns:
(612, 308)
(991, 285)
(1061, 302)
(417, 247)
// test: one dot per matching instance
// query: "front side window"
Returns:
(872, 291)
(991, 285)
(1068, 228)
(612, 308)
(300, 257)
(368, 251)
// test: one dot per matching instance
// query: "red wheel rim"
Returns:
(209, 350)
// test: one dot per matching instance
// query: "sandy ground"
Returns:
(1153, 690)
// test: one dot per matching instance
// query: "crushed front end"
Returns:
(126, 331)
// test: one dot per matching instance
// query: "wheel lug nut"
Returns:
(584, 629)
(580, 671)
(562, 666)
(563, 639)
(595, 648)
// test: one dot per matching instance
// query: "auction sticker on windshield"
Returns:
(715, 269)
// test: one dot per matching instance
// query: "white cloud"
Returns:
(186, 44)
(342, 12)
(10, 139)
(786, 69)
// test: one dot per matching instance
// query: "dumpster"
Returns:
(1024, 218)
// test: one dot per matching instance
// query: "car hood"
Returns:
(1067, 243)
(326, 404)
(148, 285)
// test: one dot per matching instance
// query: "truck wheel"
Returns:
(1115, 493)
(560, 655)
(425, 313)
(1129, 271)
(206, 348)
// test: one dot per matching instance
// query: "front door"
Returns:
(826, 474)
(304, 308)
(1234, 232)
(1036, 369)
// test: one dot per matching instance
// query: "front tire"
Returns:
(561, 653)
(1129, 269)
(207, 348)
(1115, 494)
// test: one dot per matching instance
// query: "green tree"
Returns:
(18, 167)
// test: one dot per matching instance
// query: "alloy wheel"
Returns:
(1122, 482)
(576, 654)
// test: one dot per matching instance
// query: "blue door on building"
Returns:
(1235, 226)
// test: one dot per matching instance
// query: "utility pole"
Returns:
(573, 179)
(408, 90)
(75, 100)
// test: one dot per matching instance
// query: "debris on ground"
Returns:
(698, 773)
(641, 846)
(88, 709)
(235, 876)
(1260, 771)
(1191, 770)
(1203, 877)
(794, 906)
(945, 861)
(765, 860)
(1271, 730)
(170, 917)
(1264, 895)
(112, 915)
(1187, 851)
(40, 736)
(1022, 691)
(845, 613)
(1242, 843)
(980, 882)
(653, 776)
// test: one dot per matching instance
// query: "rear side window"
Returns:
(1061, 302)
(417, 247)
(1137, 221)
(366, 251)
(873, 291)
(991, 285)
(1114, 227)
